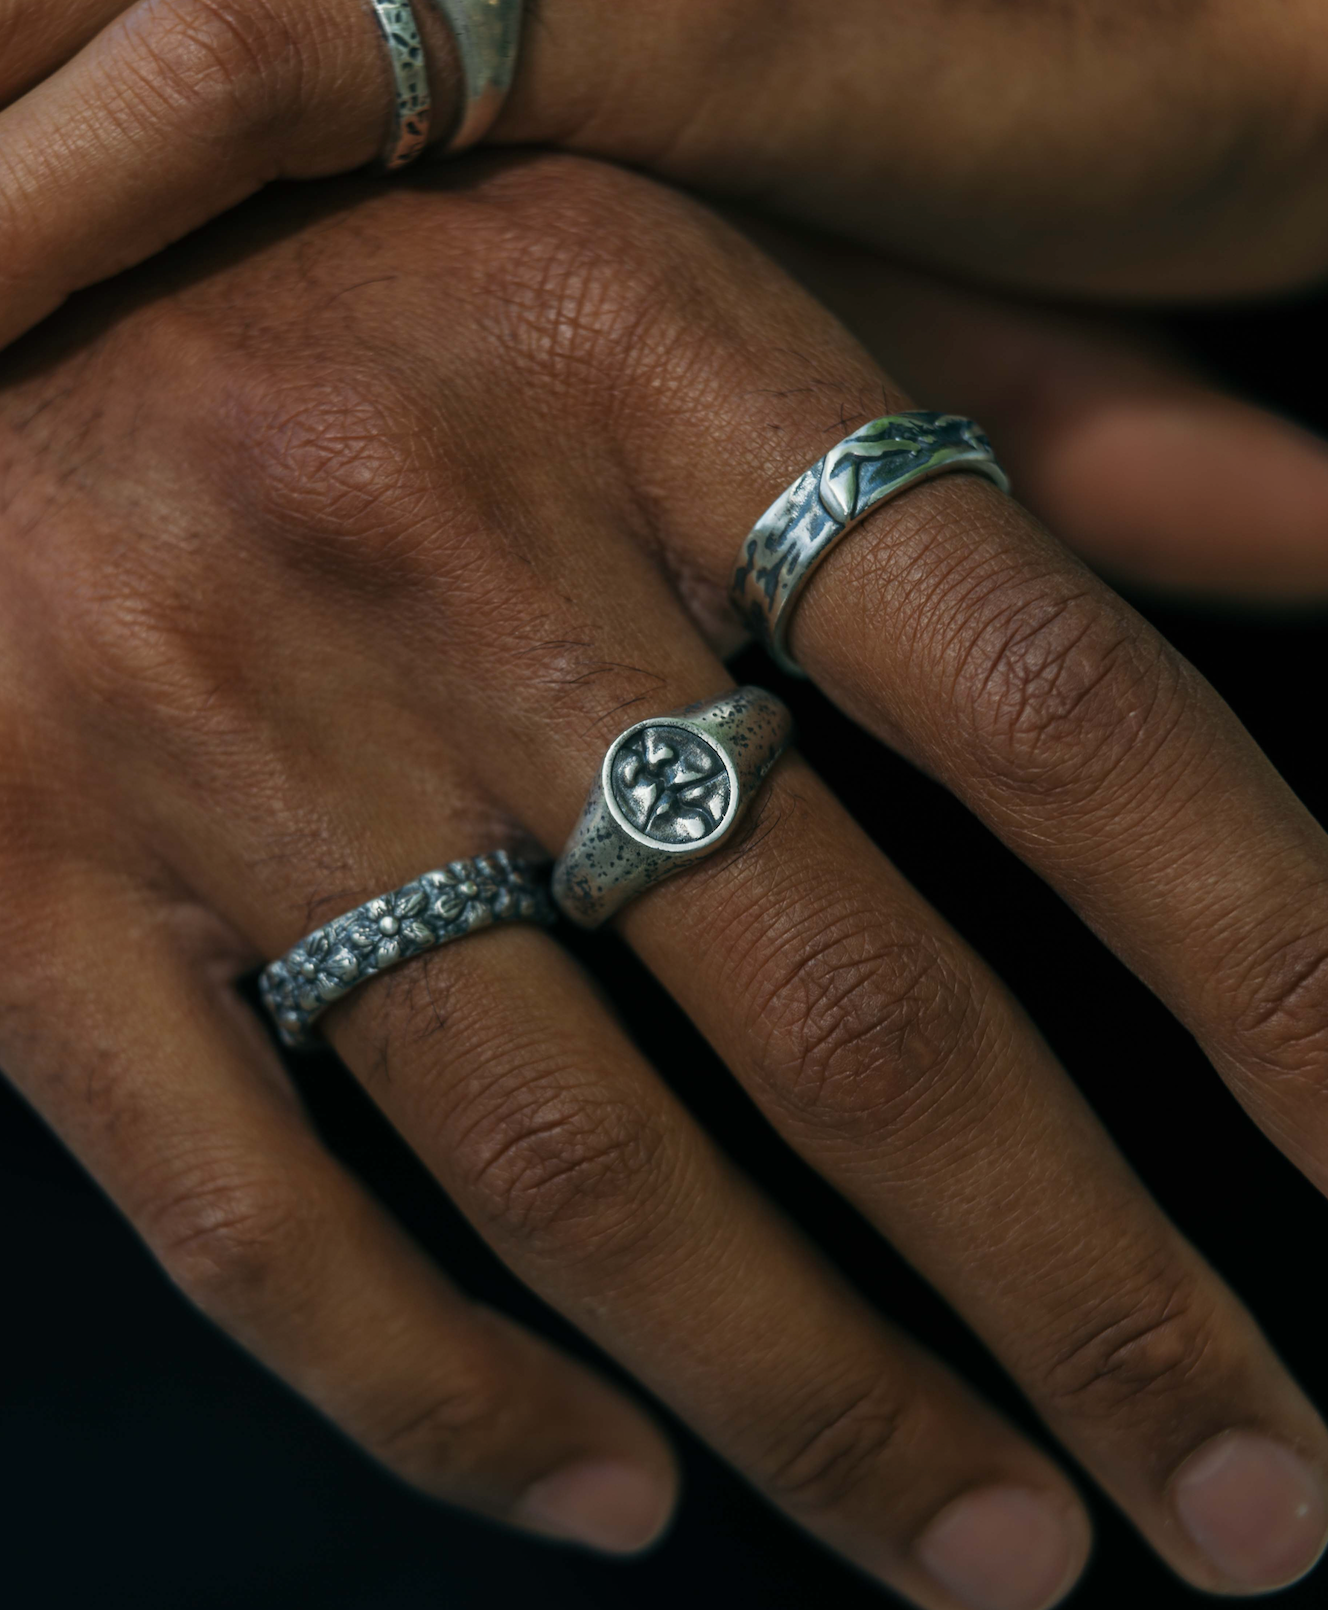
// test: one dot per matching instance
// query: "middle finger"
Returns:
(897, 1064)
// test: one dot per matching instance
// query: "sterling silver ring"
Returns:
(840, 490)
(488, 35)
(434, 909)
(411, 105)
(670, 791)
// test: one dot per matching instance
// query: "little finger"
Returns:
(127, 1037)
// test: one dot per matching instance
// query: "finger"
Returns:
(1108, 763)
(572, 1159)
(36, 38)
(956, 629)
(894, 1062)
(125, 1034)
(1130, 457)
(175, 112)
(899, 1067)
(500, 1066)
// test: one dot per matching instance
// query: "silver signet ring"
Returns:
(671, 790)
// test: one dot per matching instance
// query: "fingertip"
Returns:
(1186, 490)
(1007, 1548)
(612, 1505)
(1256, 1510)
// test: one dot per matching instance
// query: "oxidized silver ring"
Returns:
(671, 790)
(488, 33)
(459, 899)
(411, 106)
(798, 530)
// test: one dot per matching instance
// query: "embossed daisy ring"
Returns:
(432, 910)
(836, 494)
(671, 790)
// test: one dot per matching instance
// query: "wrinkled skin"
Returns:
(1105, 147)
(340, 545)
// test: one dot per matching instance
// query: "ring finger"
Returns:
(124, 1032)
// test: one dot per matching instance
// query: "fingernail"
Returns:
(1256, 1509)
(606, 1504)
(1004, 1548)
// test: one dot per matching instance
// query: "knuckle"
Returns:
(1064, 694)
(233, 1242)
(836, 1451)
(34, 861)
(865, 1022)
(312, 447)
(333, 467)
(129, 657)
(315, 444)
(237, 62)
(553, 1159)
(600, 278)
(574, 312)
(316, 456)
(452, 1430)
(1134, 1351)
(1281, 1025)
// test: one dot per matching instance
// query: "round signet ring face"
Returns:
(670, 790)
(670, 787)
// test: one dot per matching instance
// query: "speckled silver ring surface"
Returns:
(459, 899)
(671, 790)
(488, 35)
(412, 106)
(839, 491)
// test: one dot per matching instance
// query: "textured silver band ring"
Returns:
(412, 107)
(671, 790)
(800, 528)
(488, 36)
(432, 910)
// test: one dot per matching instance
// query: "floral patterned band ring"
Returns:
(430, 911)
(837, 493)
(671, 789)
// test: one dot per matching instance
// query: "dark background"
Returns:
(146, 1462)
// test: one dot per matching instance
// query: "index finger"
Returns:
(1105, 760)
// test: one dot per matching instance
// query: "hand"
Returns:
(347, 554)
(1110, 148)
